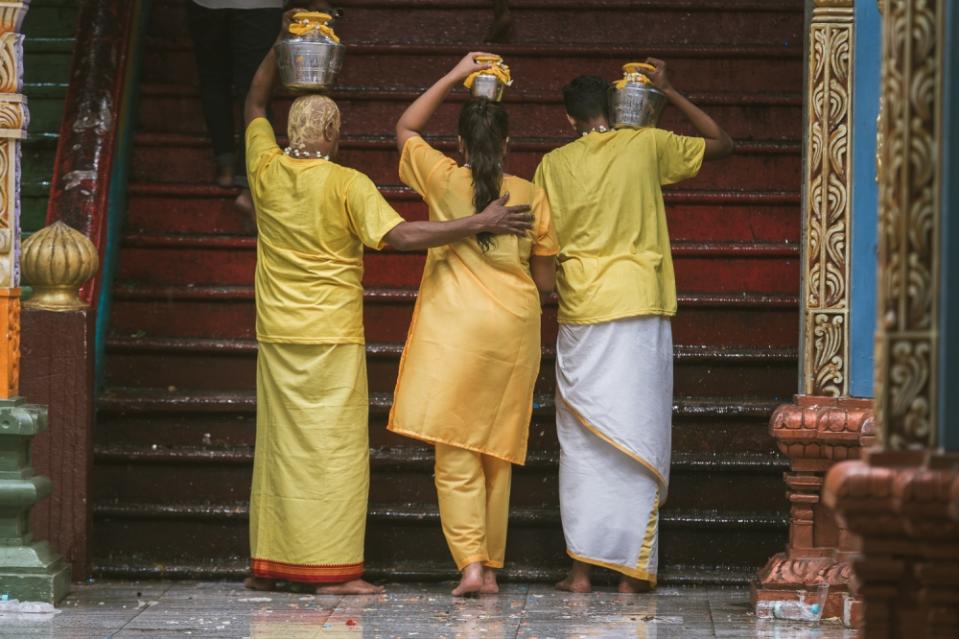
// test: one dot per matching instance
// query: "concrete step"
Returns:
(727, 215)
(549, 21)
(775, 67)
(137, 566)
(131, 474)
(768, 165)
(194, 532)
(373, 110)
(211, 364)
(156, 421)
(704, 267)
(745, 319)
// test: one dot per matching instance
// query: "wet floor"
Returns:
(164, 610)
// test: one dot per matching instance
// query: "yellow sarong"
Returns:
(311, 466)
(311, 472)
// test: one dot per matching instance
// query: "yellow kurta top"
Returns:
(313, 218)
(472, 354)
(605, 193)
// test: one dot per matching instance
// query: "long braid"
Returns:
(484, 127)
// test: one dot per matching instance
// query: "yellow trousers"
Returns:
(473, 493)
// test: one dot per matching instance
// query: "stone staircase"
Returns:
(176, 419)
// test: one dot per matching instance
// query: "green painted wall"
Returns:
(49, 28)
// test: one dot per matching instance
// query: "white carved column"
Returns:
(827, 204)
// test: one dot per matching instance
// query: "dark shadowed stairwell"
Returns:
(176, 418)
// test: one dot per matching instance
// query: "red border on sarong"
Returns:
(335, 573)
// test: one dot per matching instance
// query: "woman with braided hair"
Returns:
(472, 355)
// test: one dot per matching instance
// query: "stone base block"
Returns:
(797, 578)
(33, 573)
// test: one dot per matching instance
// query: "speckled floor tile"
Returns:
(210, 610)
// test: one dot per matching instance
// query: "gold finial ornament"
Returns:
(56, 261)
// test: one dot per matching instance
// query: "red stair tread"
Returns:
(199, 363)
(422, 458)
(543, 22)
(701, 267)
(729, 216)
(134, 566)
(770, 165)
(776, 68)
(136, 400)
(238, 346)
(176, 109)
(171, 293)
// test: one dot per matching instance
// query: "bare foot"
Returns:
(259, 583)
(489, 587)
(577, 580)
(472, 580)
(355, 587)
(571, 584)
(224, 176)
(630, 586)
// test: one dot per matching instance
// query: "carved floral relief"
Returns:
(909, 181)
(827, 215)
(14, 117)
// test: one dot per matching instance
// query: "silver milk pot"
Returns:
(634, 102)
(490, 83)
(310, 55)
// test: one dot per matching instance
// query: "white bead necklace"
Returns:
(598, 129)
(300, 154)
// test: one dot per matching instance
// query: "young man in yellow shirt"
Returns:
(617, 291)
(311, 463)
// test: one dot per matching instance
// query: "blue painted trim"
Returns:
(865, 219)
(949, 261)
(117, 196)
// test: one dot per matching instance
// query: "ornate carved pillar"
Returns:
(898, 499)
(28, 570)
(14, 118)
(827, 202)
(824, 425)
(909, 191)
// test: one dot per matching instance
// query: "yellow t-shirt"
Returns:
(473, 350)
(604, 191)
(313, 218)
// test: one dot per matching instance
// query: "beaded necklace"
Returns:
(300, 154)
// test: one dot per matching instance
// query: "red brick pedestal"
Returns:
(905, 508)
(57, 370)
(815, 433)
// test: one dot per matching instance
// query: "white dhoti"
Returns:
(614, 396)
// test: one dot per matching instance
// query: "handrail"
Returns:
(88, 187)
(90, 132)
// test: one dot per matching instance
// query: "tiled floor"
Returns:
(153, 610)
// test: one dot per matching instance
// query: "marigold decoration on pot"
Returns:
(309, 54)
(489, 83)
(631, 73)
(306, 22)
